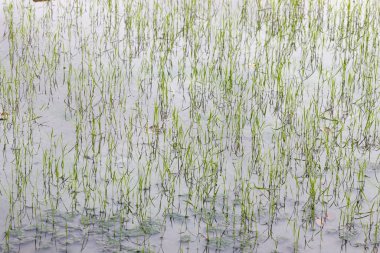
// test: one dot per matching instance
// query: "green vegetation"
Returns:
(170, 126)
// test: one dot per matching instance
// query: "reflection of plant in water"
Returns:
(312, 198)
(348, 232)
(219, 242)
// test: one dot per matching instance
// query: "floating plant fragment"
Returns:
(156, 128)
(4, 116)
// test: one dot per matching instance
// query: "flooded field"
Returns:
(189, 126)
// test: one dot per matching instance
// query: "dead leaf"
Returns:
(4, 116)
(326, 129)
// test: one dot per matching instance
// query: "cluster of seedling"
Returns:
(227, 125)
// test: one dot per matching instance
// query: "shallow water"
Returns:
(231, 126)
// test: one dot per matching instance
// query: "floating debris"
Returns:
(4, 116)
